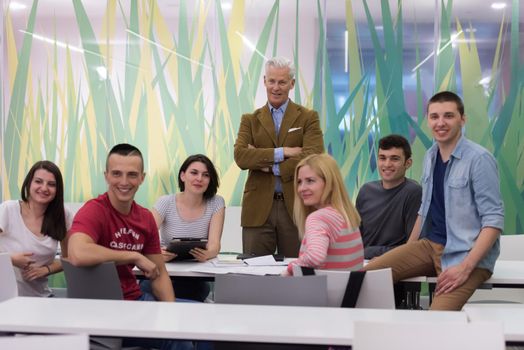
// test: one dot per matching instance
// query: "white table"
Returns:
(508, 273)
(200, 321)
(510, 315)
(207, 269)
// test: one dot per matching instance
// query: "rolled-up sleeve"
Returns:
(486, 188)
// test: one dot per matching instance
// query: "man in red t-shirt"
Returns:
(113, 227)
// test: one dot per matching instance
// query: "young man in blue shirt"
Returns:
(461, 215)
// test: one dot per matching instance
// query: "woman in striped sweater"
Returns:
(326, 219)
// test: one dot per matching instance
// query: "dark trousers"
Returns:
(278, 233)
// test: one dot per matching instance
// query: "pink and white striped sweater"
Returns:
(329, 243)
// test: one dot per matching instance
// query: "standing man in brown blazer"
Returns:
(270, 143)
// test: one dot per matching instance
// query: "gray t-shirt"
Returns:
(387, 216)
(174, 226)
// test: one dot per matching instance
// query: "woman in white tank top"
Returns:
(30, 229)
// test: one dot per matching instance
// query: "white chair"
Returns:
(428, 336)
(231, 241)
(270, 290)
(92, 282)
(8, 287)
(73, 207)
(45, 342)
(511, 248)
(376, 291)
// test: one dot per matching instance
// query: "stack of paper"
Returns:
(227, 260)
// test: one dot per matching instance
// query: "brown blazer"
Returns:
(300, 128)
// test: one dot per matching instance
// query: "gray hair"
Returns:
(281, 62)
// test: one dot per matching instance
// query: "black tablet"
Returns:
(182, 246)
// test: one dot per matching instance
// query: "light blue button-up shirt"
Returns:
(472, 200)
(278, 155)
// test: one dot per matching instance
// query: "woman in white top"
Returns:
(31, 228)
(196, 212)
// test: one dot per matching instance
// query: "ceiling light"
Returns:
(168, 49)
(485, 81)
(15, 6)
(346, 52)
(53, 41)
(77, 49)
(102, 72)
(248, 43)
(498, 5)
(451, 42)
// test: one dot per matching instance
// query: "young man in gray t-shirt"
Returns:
(388, 207)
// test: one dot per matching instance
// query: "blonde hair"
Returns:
(335, 193)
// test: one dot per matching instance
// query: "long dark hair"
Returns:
(214, 181)
(54, 223)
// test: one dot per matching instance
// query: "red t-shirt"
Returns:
(136, 231)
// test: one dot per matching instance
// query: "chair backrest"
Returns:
(512, 247)
(92, 282)
(270, 290)
(428, 336)
(376, 291)
(8, 287)
(73, 207)
(231, 241)
(46, 342)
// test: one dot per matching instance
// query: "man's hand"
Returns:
(266, 169)
(451, 278)
(148, 267)
(22, 260)
(290, 152)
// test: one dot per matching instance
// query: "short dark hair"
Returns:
(447, 96)
(54, 223)
(125, 149)
(395, 141)
(214, 182)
